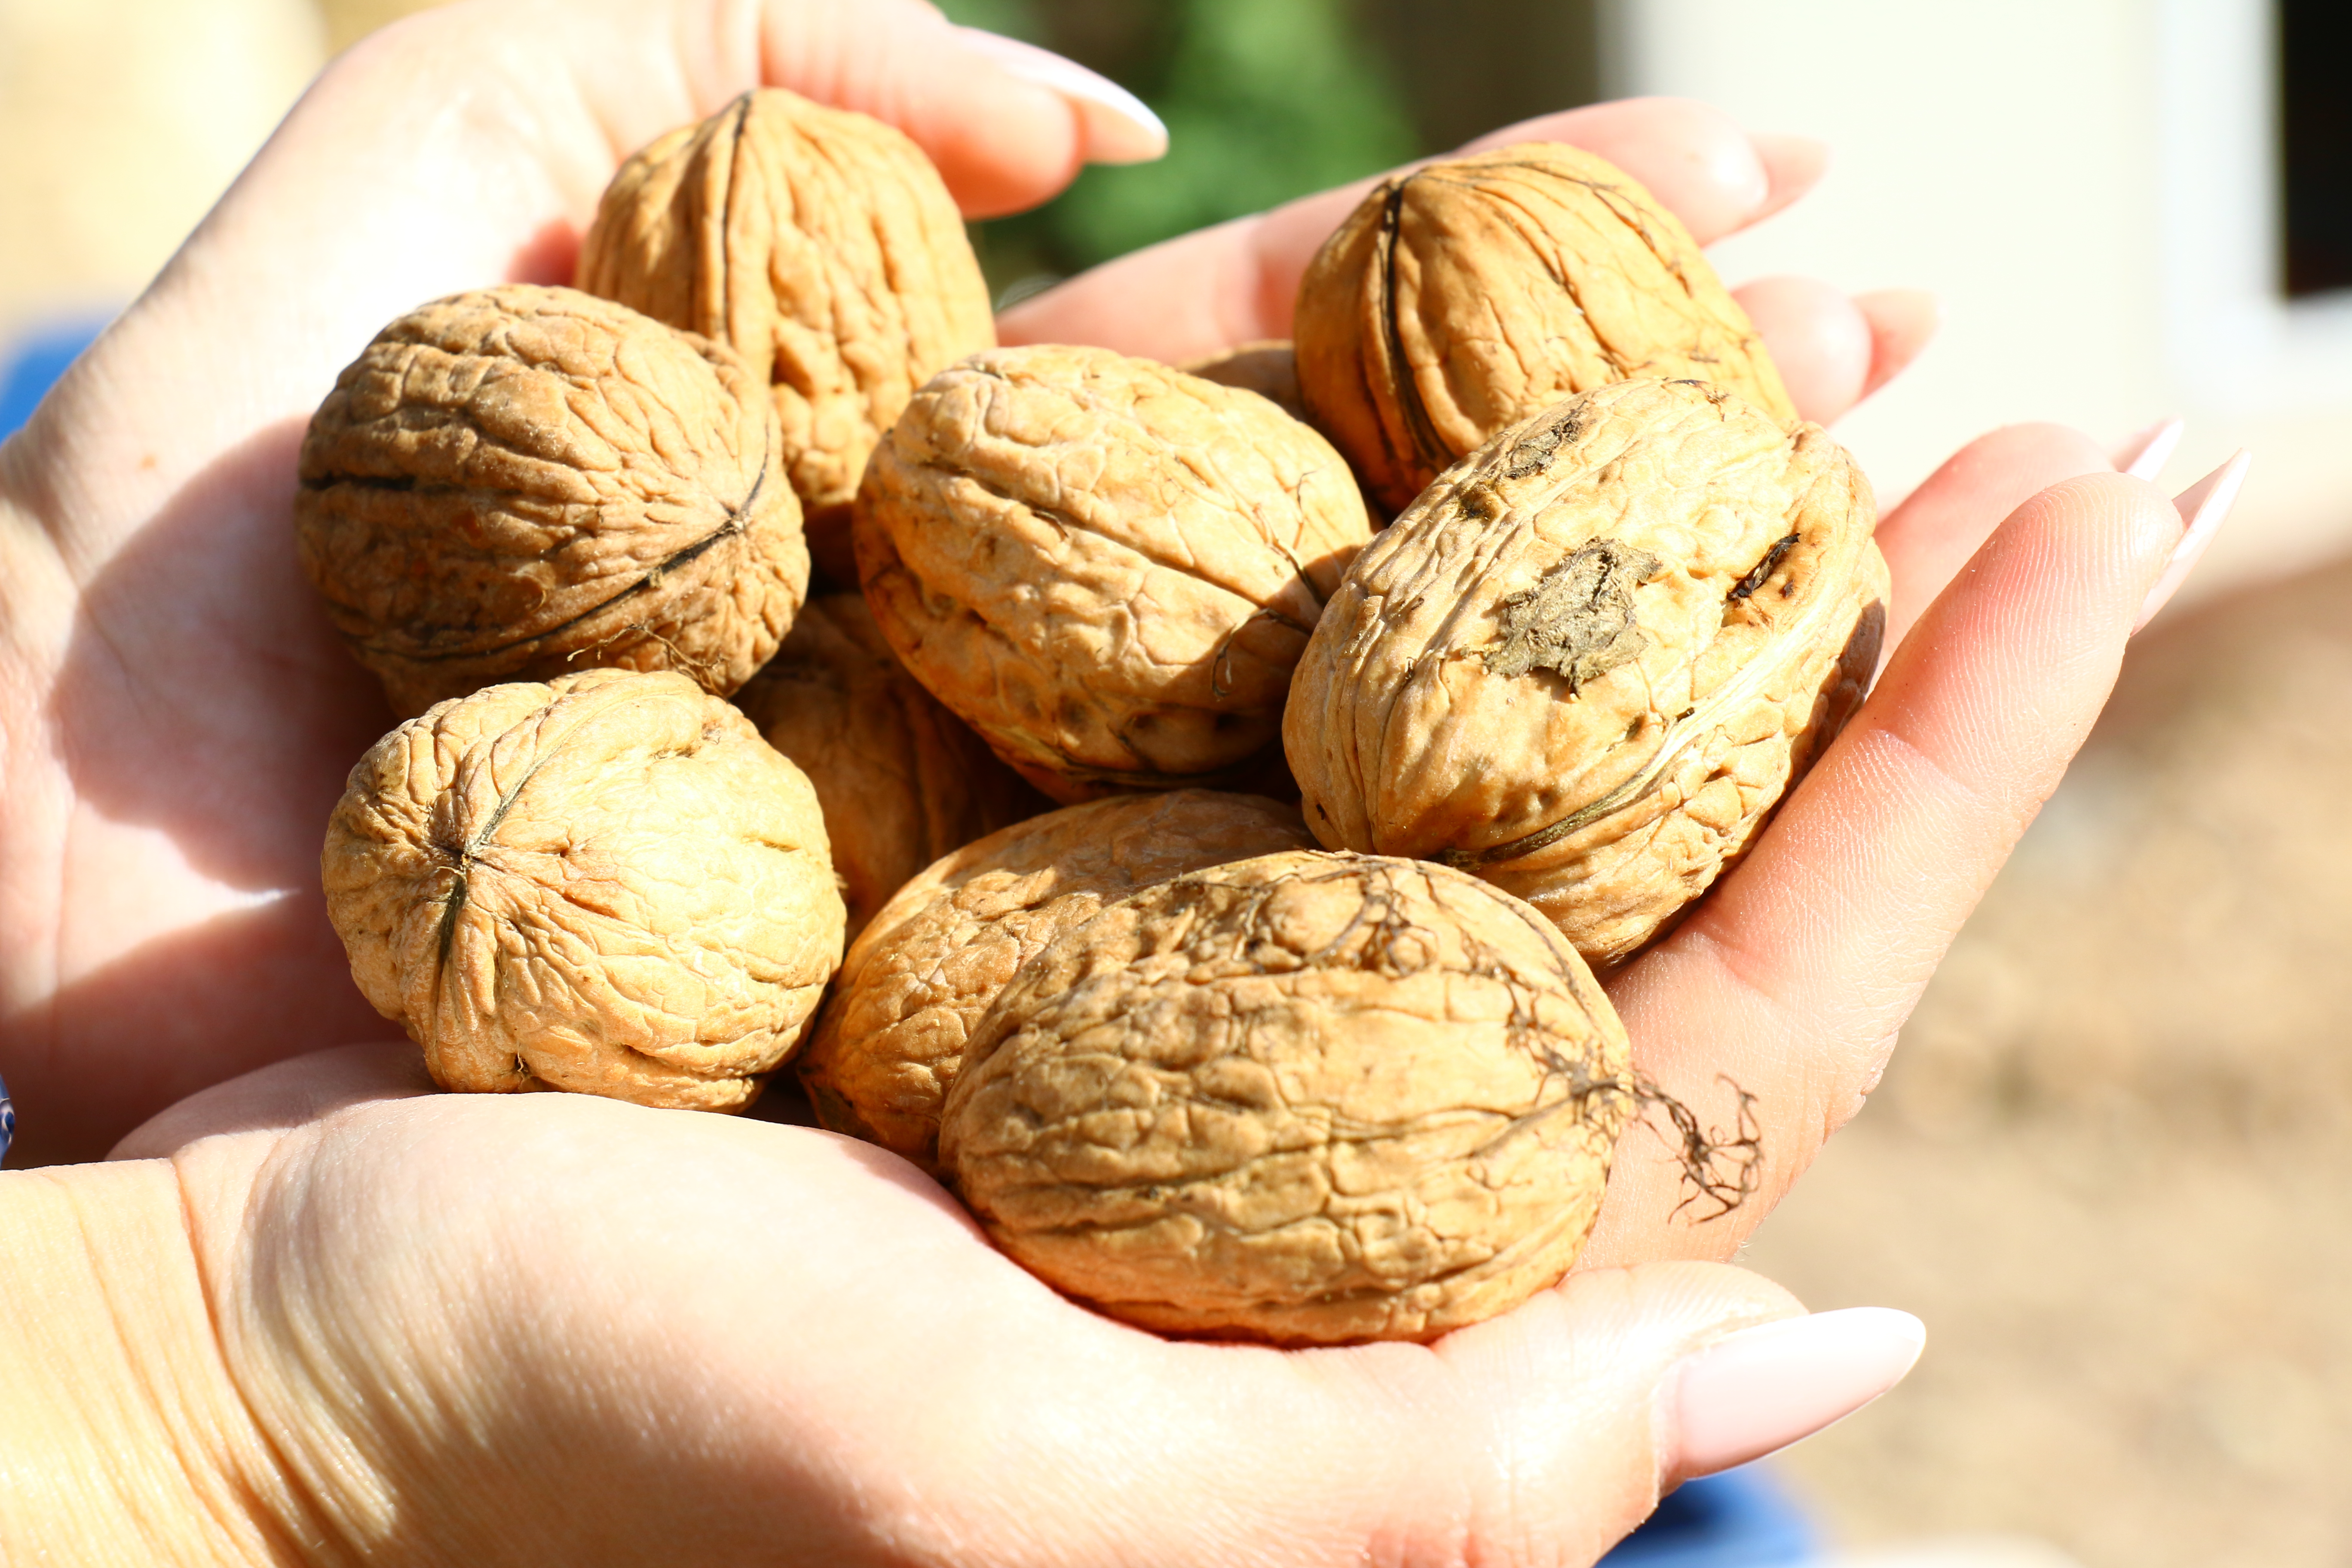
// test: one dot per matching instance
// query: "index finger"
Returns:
(1236, 283)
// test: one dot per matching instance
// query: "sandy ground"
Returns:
(2109, 1161)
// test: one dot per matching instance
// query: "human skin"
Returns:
(611, 1334)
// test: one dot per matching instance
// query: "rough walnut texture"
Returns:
(608, 883)
(1589, 661)
(1308, 1099)
(889, 1042)
(1467, 294)
(522, 483)
(823, 246)
(1269, 368)
(1105, 567)
(902, 779)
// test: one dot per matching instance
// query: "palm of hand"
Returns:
(659, 1336)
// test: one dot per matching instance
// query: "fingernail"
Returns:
(1120, 127)
(2203, 507)
(2143, 456)
(1763, 1388)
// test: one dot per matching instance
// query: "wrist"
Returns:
(122, 1437)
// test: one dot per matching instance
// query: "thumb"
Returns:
(1569, 1418)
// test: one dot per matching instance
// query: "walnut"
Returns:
(608, 883)
(1467, 294)
(888, 1044)
(522, 481)
(902, 779)
(1589, 659)
(1308, 1099)
(823, 246)
(1268, 368)
(1105, 567)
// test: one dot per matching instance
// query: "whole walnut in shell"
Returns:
(889, 1042)
(521, 482)
(902, 779)
(1308, 1099)
(1467, 294)
(1588, 662)
(824, 247)
(1105, 567)
(608, 883)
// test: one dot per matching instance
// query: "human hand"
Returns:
(516, 1328)
(353, 1319)
(179, 717)
(530, 1328)
(176, 717)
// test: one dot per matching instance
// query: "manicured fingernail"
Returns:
(2143, 456)
(2203, 508)
(1120, 127)
(1762, 1388)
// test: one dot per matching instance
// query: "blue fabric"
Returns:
(31, 367)
(7, 1121)
(1736, 1520)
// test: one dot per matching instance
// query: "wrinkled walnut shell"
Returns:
(1308, 1099)
(522, 483)
(824, 247)
(890, 1040)
(902, 779)
(1467, 294)
(1588, 662)
(608, 884)
(1105, 567)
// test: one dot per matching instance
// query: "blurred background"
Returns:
(2106, 1163)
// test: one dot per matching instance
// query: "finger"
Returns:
(1007, 123)
(1547, 1434)
(1238, 282)
(282, 1095)
(1792, 165)
(1902, 321)
(1693, 157)
(1791, 979)
(1834, 351)
(1117, 126)
(1930, 536)
(1820, 342)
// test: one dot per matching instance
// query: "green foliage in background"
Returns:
(1264, 100)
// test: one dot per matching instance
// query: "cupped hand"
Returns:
(544, 1327)
(178, 717)
(537, 1329)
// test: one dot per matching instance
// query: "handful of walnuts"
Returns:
(1210, 1061)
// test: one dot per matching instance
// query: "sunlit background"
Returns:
(2107, 1165)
